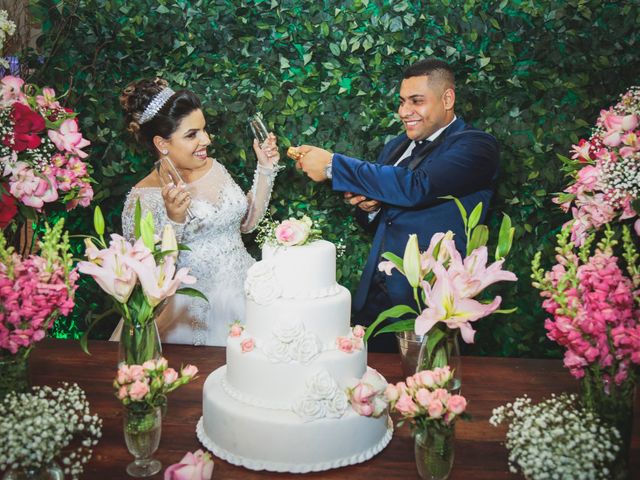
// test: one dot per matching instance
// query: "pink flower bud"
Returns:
(247, 345)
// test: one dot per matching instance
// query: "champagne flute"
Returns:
(168, 174)
(258, 129)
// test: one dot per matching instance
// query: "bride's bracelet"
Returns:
(268, 171)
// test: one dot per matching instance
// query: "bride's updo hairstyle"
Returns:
(137, 96)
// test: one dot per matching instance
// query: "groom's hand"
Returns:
(313, 161)
(363, 203)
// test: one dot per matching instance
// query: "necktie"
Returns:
(417, 151)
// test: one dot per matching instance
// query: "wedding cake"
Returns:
(281, 403)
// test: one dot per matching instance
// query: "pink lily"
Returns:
(48, 98)
(446, 251)
(472, 276)
(69, 139)
(445, 304)
(113, 274)
(159, 281)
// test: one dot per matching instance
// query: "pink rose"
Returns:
(344, 344)
(123, 375)
(426, 378)
(358, 331)
(391, 393)
(189, 371)
(138, 390)
(170, 376)
(235, 330)
(247, 345)
(162, 363)
(149, 365)
(406, 406)
(292, 232)
(122, 392)
(136, 372)
(457, 404)
(424, 397)
(435, 408)
(411, 383)
(193, 466)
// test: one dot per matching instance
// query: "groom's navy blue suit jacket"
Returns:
(462, 162)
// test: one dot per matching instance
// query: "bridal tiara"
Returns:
(155, 105)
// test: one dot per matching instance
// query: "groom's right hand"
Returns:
(363, 203)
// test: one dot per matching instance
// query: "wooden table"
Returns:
(480, 453)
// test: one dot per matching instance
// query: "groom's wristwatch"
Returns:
(327, 169)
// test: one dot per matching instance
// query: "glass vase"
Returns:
(438, 349)
(14, 374)
(49, 472)
(614, 404)
(139, 342)
(434, 452)
(142, 431)
(409, 347)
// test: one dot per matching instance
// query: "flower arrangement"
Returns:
(147, 385)
(288, 233)
(139, 277)
(35, 290)
(557, 438)
(352, 342)
(193, 466)
(48, 425)
(7, 28)
(445, 286)
(41, 151)
(367, 396)
(431, 410)
(606, 171)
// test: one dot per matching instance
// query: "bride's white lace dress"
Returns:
(218, 258)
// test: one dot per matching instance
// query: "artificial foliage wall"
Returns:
(533, 73)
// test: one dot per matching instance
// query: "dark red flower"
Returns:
(26, 126)
(8, 208)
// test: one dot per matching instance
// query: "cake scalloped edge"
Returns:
(282, 467)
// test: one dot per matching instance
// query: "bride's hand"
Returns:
(268, 155)
(176, 201)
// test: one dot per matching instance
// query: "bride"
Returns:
(207, 209)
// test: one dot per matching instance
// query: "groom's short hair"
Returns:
(437, 70)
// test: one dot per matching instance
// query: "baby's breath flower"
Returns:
(46, 425)
(557, 439)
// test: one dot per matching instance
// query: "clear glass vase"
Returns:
(614, 404)
(142, 431)
(434, 452)
(440, 348)
(14, 374)
(409, 347)
(139, 342)
(49, 472)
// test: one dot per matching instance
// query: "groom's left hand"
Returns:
(313, 162)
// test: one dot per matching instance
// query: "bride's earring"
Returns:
(164, 152)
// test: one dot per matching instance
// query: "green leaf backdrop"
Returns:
(533, 73)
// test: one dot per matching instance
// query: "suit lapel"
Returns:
(395, 154)
(454, 129)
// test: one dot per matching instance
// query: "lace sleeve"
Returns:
(150, 201)
(258, 198)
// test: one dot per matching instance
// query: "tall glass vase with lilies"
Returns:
(139, 277)
(445, 286)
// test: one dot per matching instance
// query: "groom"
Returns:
(438, 155)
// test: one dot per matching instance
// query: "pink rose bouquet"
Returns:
(606, 171)
(35, 290)
(431, 410)
(193, 466)
(41, 149)
(445, 286)
(139, 277)
(147, 385)
(367, 396)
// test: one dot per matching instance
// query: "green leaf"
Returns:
(192, 292)
(463, 211)
(393, 312)
(479, 238)
(397, 261)
(137, 216)
(147, 231)
(474, 218)
(399, 326)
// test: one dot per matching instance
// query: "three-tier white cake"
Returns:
(280, 402)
